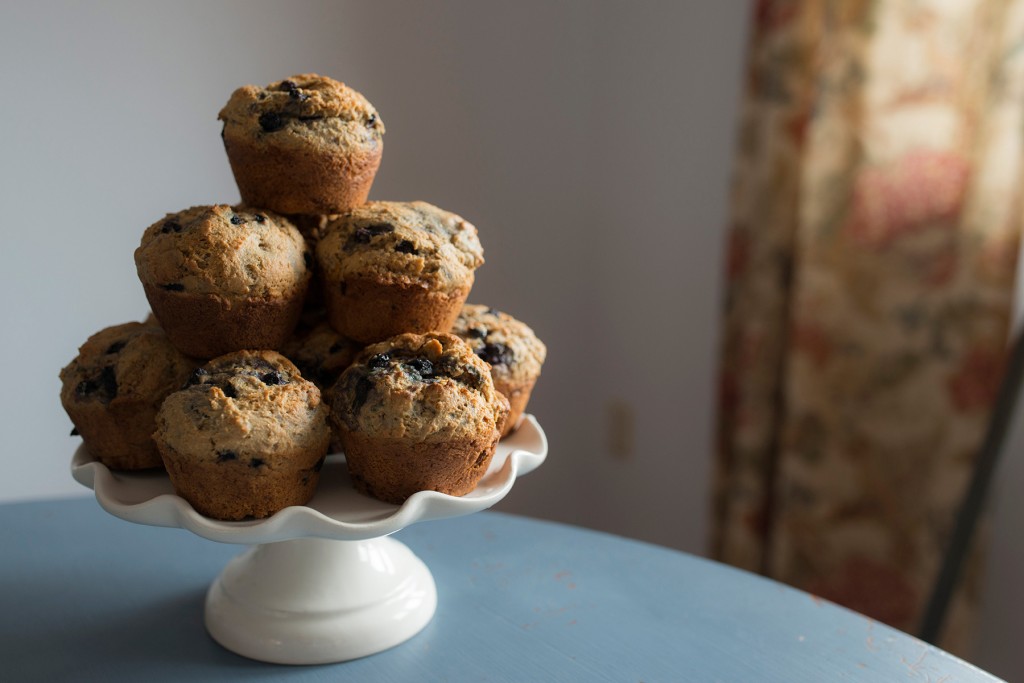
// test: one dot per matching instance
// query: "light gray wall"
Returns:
(590, 143)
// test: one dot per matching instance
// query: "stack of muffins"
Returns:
(301, 320)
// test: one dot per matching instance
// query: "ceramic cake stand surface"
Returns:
(322, 582)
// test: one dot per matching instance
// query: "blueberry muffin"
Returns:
(114, 387)
(246, 437)
(321, 354)
(417, 412)
(393, 267)
(510, 348)
(304, 145)
(222, 278)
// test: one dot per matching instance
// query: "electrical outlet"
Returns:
(620, 419)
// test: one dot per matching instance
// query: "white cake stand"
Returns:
(322, 582)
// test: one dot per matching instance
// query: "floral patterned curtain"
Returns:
(876, 208)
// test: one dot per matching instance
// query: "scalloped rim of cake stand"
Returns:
(336, 512)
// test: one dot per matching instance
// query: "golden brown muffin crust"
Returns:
(419, 388)
(231, 252)
(400, 243)
(509, 346)
(300, 111)
(129, 361)
(250, 406)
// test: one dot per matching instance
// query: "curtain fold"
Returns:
(876, 213)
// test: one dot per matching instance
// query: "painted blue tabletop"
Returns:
(87, 597)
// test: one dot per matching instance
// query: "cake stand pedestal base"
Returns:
(316, 601)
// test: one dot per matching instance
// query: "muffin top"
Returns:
(400, 243)
(421, 388)
(234, 252)
(509, 346)
(321, 354)
(129, 362)
(302, 111)
(249, 406)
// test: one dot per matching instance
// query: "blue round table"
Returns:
(88, 597)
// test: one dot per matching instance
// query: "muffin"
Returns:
(305, 145)
(321, 354)
(114, 387)
(246, 437)
(510, 348)
(417, 412)
(222, 278)
(393, 267)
